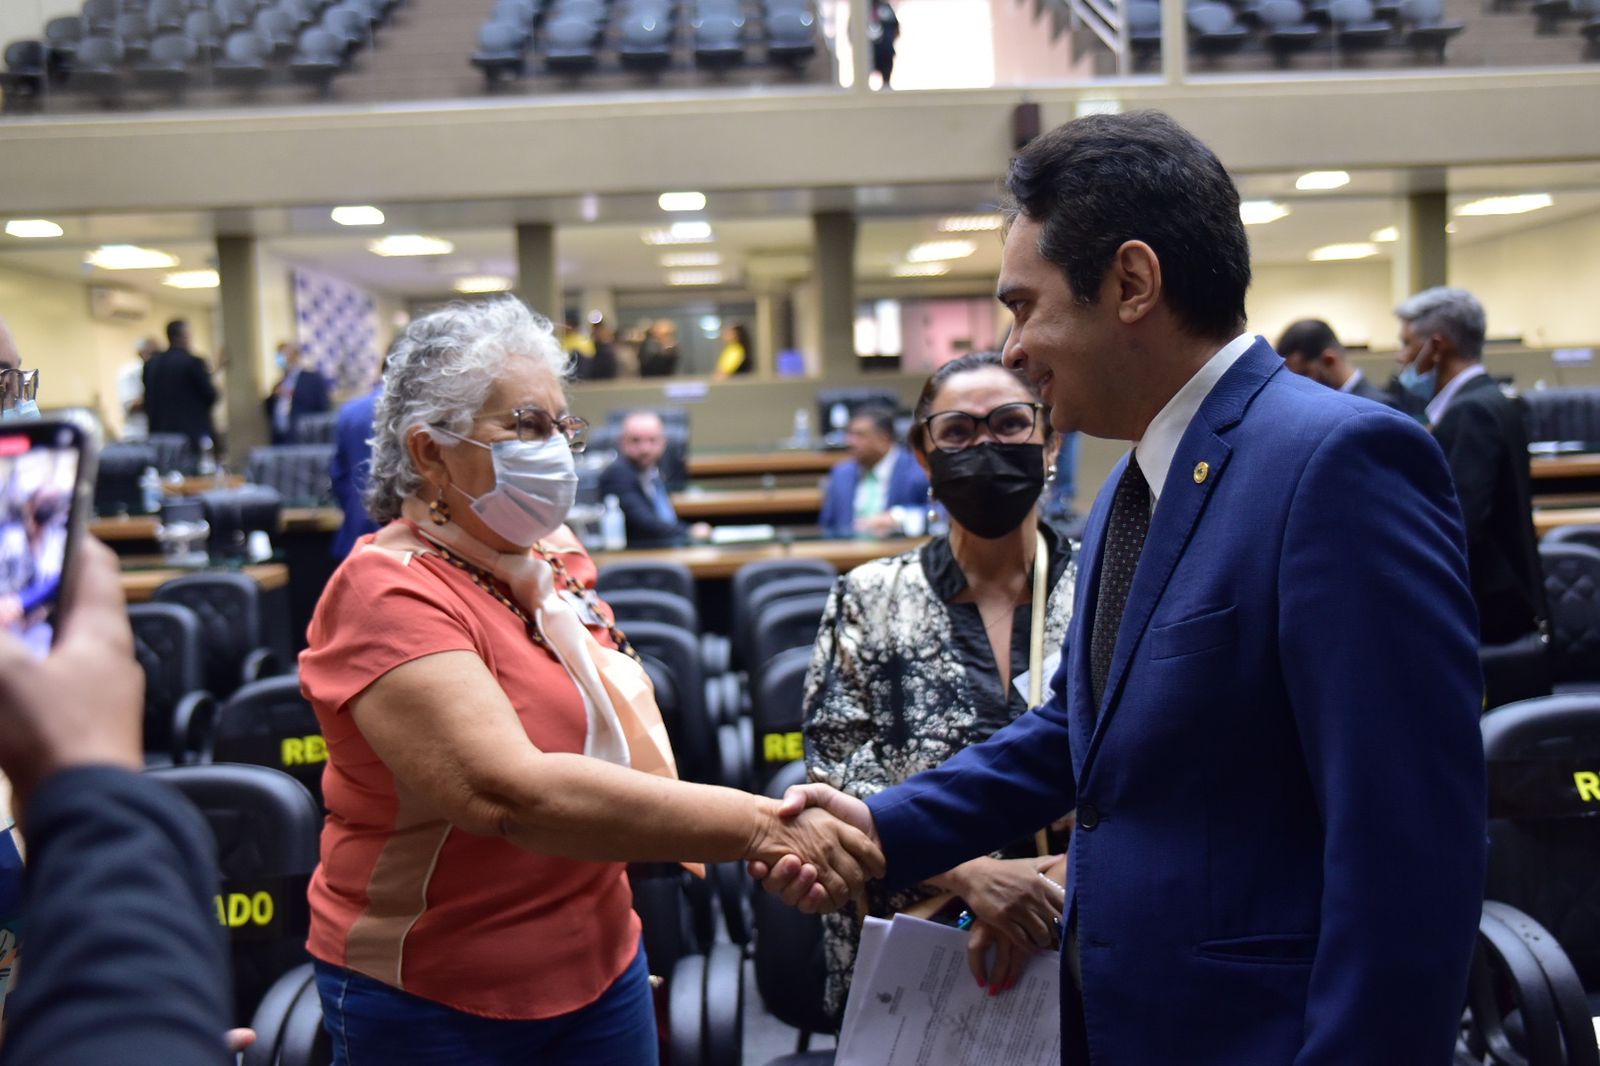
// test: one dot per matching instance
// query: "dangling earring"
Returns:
(438, 510)
(1050, 475)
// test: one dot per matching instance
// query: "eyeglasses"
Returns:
(18, 386)
(1010, 423)
(535, 423)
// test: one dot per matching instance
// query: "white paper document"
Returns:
(913, 1002)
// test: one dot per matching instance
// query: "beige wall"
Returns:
(23, 19)
(1540, 284)
(79, 358)
(1353, 298)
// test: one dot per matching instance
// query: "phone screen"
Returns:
(38, 473)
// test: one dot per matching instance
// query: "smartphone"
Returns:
(47, 470)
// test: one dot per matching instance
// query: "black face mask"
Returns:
(988, 488)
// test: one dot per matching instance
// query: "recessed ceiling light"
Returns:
(483, 283)
(1322, 180)
(970, 224)
(1332, 253)
(1451, 227)
(1260, 212)
(932, 251)
(691, 259)
(192, 279)
(680, 233)
(694, 277)
(357, 215)
(32, 228)
(1506, 205)
(921, 270)
(682, 201)
(129, 257)
(401, 244)
(1386, 235)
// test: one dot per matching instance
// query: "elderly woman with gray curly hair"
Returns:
(492, 763)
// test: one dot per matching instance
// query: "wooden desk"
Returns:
(755, 464)
(194, 486)
(312, 519)
(1556, 517)
(143, 526)
(140, 585)
(719, 561)
(753, 504)
(1564, 466)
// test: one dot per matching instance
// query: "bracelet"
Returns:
(1052, 883)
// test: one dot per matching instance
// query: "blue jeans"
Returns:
(375, 1025)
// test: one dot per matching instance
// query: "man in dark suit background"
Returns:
(637, 481)
(301, 391)
(1486, 444)
(350, 469)
(178, 390)
(1310, 348)
(1266, 714)
(871, 492)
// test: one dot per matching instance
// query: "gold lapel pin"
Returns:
(1201, 472)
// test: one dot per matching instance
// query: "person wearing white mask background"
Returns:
(18, 387)
(486, 783)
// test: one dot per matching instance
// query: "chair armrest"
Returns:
(261, 662)
(724, 1009)
(686, 996)
(733, 891)
(1566, 987)
(1503, 959)
(731, 766)
(194, 723)
(273, 1014)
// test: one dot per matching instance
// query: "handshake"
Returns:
(816, 849)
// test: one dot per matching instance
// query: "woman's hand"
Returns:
(842, 856)
(1012, 898)
(1008, 958)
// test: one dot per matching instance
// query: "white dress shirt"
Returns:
(1437, 405)
(872, 492)
(1160, 442)
(1350, 382)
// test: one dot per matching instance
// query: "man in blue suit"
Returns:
(350, 469)
(301, 391)
(871, 492)
(1266, 713)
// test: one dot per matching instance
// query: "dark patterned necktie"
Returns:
(1125, 533)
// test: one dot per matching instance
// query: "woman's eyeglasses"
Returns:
(1010, 423)
(535, 424)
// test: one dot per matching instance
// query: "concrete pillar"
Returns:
(1421, 256)
(1174, 41)
(238, 292)
(768, 334)
(834, 263)
(860, 47)
(537, 282)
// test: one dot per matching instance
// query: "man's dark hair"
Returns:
(1100, 181)
(177, 332)
(1308, 338)
(881, 415)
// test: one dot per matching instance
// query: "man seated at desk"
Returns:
(635, 479)
(878, 488)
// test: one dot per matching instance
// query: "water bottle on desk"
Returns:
(208, 457)
(613, 527)
(150, 490)
(802, 428)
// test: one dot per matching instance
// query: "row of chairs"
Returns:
(1287, 28)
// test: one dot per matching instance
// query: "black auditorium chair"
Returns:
(235, 513)
(1588, 536)
(662, 576)
(62, 34)
(790, 971)
(646, 41)
(1572, 588)
(652, 605)
(718, 40)
(27, 71)
(1144, 32)
(228, 605)
(237, 12)
(97, 68)
(278, 28)
(100, 16)
(179, 714)
(569, 45)
(1520, 670)
(1286, 29)
(1215, 31)
(169, 64)
(318, 428)
(679, 651)
(244, 62)
(693, 744)
(116, 481)
(791, 37)
(1426, 30)
(165, 16)
(267, 829)
(704, 978)
(174, 452)
(502, 51)
(318, 59)
(269, 723)
(133, 34)
(297, 472)
(797, 586)
(780, 712)
(784, 625)
(1356, 27)
(350, 25)
(752, 576)
(288, 1024)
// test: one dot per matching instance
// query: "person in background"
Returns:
(1060, 504)
(178, 390)
(872, 492)
(125, 960)
(917, 654)
(637, 481)
(735, 357)
(1485, 441)
(130, 390)
(601, 363)
(18, 387)
(883, 28)
(472, 905)
(579, 348)
(658, 352)
(350, 468)
(301, 391)
(1311, 349)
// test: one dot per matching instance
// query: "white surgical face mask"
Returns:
(24, 409)
(535, 484)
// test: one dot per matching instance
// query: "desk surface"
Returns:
(755, 464)
(138, 586)
(711, 560)
(143, 526)
(1556, 517)
(1555, 466)
(740, 503)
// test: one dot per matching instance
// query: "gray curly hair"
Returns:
(438, 375)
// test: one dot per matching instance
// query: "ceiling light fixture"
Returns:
(32, 228)
(192, 279)
(680, 233)
(933, 251)
(682, 201)
(1261, 212)
(921, 270)
(406, 244)
(691, 259)
(970, 223)
(1505, 205)
(477, 283)
(1386, 235)
(1334, 253)
(357, 215)
(129, 257)
(694, 277)
(1322, 180)
(1451, 227)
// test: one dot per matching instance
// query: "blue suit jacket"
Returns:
(350, 469)
(1281, 840)
(908, 487)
